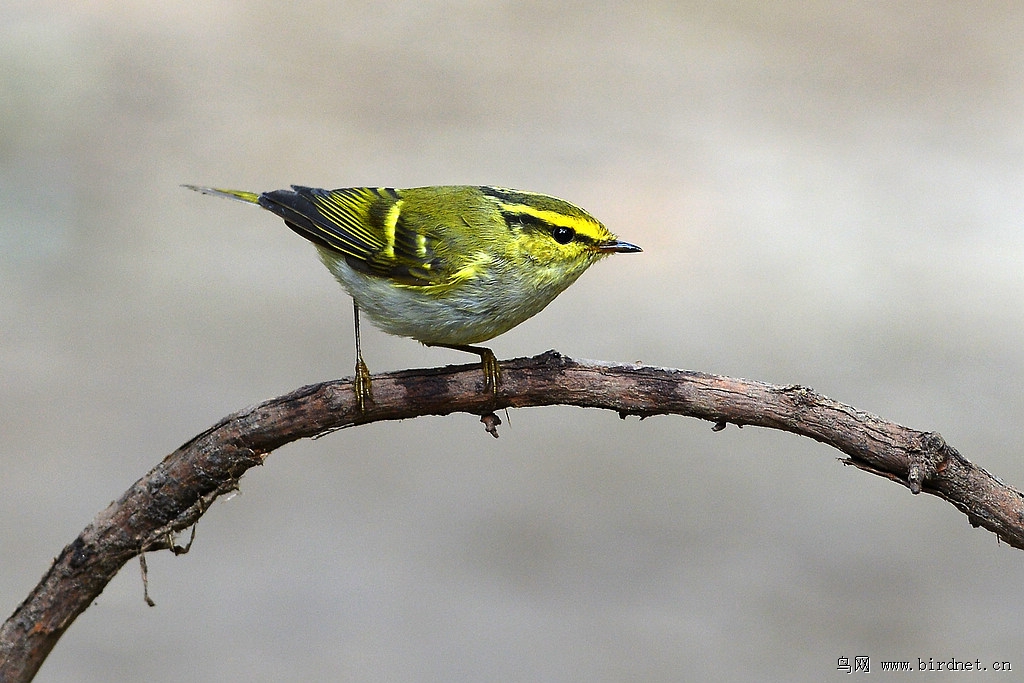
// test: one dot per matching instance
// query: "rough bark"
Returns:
(176, 493)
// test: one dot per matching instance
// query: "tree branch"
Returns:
(176, 493)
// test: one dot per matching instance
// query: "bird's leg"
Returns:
(362, 379)
(492, 371)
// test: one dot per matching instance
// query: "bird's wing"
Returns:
(367, 227)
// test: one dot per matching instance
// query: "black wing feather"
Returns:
(351, 222)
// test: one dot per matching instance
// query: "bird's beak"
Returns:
(617, 247)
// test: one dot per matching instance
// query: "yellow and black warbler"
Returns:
(449, 265)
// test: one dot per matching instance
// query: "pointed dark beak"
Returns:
(617, 247)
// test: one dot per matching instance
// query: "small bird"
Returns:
(448, 265)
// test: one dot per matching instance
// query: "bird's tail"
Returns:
(237, 195)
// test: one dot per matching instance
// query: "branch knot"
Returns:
(927, 460)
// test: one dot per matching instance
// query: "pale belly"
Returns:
(466, 314)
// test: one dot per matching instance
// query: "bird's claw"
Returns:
(361, 384)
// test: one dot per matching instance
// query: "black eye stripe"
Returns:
(524, 220)
(562, 234)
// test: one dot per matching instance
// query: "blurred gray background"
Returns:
(827, 193)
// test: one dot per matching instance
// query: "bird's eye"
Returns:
(562, 234)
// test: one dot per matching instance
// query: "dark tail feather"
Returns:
(296, 209)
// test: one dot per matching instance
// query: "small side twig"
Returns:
(491, 422)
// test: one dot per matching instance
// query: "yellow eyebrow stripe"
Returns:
(582, 226)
